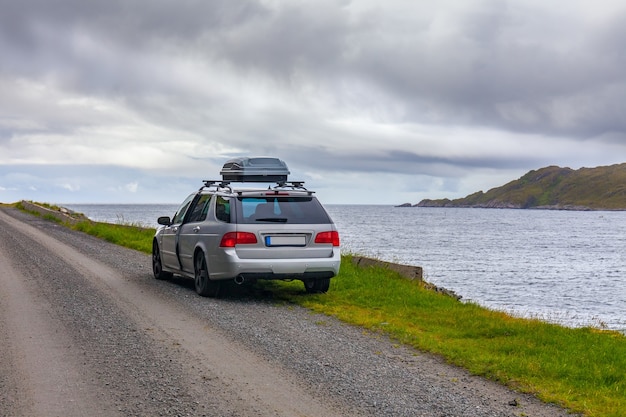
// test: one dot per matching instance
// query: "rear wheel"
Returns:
(157, 264)
(319, 285)
(204, 286)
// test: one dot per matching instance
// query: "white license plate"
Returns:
(285, 241)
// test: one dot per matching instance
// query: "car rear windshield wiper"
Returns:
(273, 219)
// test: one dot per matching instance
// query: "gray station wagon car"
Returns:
(224, 233)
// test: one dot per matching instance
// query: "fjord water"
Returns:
(563, 266)
(567, 267)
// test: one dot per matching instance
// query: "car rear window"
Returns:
(282, 209)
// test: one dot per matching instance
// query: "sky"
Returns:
(368, 102)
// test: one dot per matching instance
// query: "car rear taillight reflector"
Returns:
(230, 239)
(328, 237)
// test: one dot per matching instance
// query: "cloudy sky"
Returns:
(367, 101)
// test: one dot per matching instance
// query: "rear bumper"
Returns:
(253, 276)
(231, 266)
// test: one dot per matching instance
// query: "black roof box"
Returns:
(255, 170)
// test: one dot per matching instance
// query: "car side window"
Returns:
(222, 209)
(200, 209)
(182, 210)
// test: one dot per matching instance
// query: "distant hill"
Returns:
(601, 188)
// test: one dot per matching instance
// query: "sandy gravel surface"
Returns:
(86, 330)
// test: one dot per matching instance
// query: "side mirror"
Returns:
(165, 221)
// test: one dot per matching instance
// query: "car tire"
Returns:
(204, 285)
(157, 264)
(315, 286)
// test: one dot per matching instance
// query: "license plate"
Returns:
(285, 241)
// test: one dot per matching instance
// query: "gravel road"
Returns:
(87, 331)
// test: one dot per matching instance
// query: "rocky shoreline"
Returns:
(445, 203)
(61, 213)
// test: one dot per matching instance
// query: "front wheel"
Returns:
(157, 264)
(313, 286)
(205, 286)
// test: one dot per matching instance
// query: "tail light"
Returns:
(328, 237)
(230, 239)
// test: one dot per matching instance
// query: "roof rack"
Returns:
(218, 184)
(225, 185)
(294, 185)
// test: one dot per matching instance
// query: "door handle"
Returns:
(196, 229)
(175, 229)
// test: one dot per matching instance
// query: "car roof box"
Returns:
(255, 170)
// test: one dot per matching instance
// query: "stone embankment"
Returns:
(407, 271)
(62, 214)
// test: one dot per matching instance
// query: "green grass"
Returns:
(128, 235)
(581, 369)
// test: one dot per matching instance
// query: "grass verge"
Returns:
(580, 369)
(128, 235)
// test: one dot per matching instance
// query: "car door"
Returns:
(192, 230)
(169, 243)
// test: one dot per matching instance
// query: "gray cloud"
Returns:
(447, 93)
(489, 70)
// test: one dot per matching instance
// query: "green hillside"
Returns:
(601, 188)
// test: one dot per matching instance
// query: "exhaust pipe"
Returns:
(239, 279)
